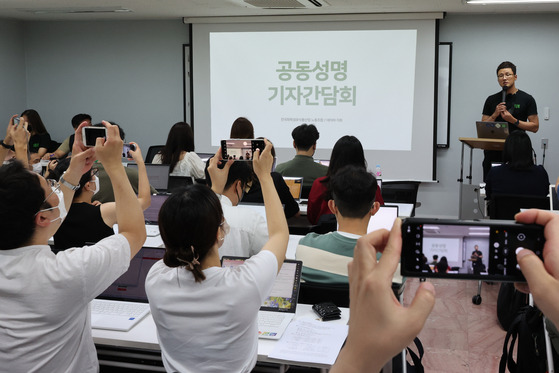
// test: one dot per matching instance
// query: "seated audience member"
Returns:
(518, 174)
(206, 315)
(242, 128)
(44, 297)
(248, 232)
(325, 256)
(254, 193)
(442, 266)
(66, 146)
(105, 193)
(39, 141)
(347, 151)
(435, 259)
(179, 153)
(89, 223)
(15, 143)
(303, 164)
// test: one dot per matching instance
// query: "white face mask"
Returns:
(95, 181)
(38, 168)
(61, 206)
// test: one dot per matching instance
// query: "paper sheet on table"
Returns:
(311, 341)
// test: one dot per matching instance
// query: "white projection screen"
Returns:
(371, 79)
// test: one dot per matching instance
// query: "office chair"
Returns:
(177, 182)
(312, 293)
(152, 151)
(505, 206)
(401, 192)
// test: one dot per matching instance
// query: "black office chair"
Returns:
(152, 151)
(312, 293)
(505, 206)
(401, 192)
(178, 182)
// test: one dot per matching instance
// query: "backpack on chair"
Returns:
(528, 329)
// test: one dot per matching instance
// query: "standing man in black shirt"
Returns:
(519, 110)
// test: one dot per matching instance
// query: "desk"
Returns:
(143, 337)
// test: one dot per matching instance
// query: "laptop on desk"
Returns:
(492, 130)
(158, 175)
(123, 304)
(295, 185)
(278, 309)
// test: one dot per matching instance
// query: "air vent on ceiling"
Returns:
(286, 4)
(89, 10)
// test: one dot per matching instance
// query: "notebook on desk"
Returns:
(492, 130)
(278, 309)
(123, 304)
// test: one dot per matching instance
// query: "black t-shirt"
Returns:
(82, 225)
(521, 105)
(38, 141)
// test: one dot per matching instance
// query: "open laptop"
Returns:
(295, 185)
(553, 200)
(278, 309)
(492, 130)
(383, 219)
(123, 304)
(324, 162)
(158, 175)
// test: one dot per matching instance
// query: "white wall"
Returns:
(480, 43)
(12, 71)
(127, 72)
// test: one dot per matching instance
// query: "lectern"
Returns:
(470, 205)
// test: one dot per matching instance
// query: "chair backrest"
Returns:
(400, 192)
(505, 206)
(312, 293)
(152, 151)
(177, 182)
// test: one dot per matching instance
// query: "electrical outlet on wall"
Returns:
(545, 143)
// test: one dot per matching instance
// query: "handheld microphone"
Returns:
(504, 93)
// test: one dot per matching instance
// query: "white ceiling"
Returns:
(176, 9)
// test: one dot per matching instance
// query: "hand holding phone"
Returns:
(91, 133)
(467, 249)
(241, 149)
(126, 148)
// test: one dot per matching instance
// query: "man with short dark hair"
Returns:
(248, 230)
(44, 297)
(325, 257)
(303, 164)
(66, 146)
(519, 110)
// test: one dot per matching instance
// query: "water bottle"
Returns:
(378, 172)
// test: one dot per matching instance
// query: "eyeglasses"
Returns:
(55, 187)
(94, 172)
(507, 75)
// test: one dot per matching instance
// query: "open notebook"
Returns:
(278, 309)
(123, 304)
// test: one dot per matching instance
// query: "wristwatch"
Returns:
(67, 184)
(516, 123)
(10, 147)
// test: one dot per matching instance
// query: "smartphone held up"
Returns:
(467, 249)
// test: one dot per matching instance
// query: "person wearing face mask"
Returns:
(206, 315)
(248, 233)
(89, 222)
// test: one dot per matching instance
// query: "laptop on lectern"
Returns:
(492, 130)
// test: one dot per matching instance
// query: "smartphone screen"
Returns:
(90, 134)
(126, 147)
(478, 250)
(241, 149)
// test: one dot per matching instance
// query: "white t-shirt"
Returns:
(44, 314)
(249, 231)
(210, 326)
(190, 165)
